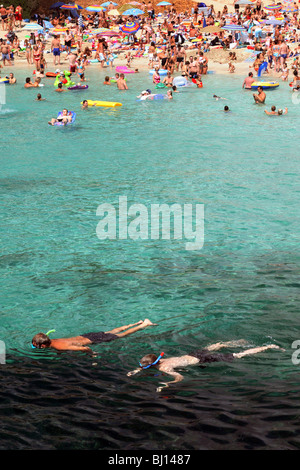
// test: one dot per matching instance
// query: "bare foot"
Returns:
(147, 322)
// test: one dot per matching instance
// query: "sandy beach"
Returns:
(218, 58)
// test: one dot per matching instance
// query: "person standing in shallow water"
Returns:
(200, 356)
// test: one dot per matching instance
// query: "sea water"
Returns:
(243, 167)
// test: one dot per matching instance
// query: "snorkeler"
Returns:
(199, 356)
(82, 342)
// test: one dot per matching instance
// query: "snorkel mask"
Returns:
(153, 363)
(47, 334)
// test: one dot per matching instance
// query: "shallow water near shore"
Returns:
(244, 283)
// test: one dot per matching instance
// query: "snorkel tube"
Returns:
(153, 363)
(47, 334)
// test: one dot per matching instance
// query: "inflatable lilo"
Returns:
(124, 69)
(64, 118)
(78, 87)
(108, 104)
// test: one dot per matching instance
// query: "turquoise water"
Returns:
(244, 283)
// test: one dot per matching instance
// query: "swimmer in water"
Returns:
(82, 342)
(199, 356)
(226, 109)
(260, 98)
(273, 111)
(59, 88)
(39, 97)
(219, 98)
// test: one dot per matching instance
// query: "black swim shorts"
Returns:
(206, 356)
(100, 337)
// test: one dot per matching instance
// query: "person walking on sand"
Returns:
(199, 356)
(55, 48)
(82, 342)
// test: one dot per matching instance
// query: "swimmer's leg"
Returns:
(135, 327)
(228, 344)
(259, 349)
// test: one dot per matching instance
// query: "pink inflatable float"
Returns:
(124, 69)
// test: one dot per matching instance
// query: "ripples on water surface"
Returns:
(56, 273)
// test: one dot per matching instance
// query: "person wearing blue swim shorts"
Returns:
(55, 48)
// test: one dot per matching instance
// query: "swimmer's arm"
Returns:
(177, 378)
(285, 111)
(133, 372)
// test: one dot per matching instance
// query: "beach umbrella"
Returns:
(114, 12)
(32, 27)
(133, 12)
(130, 27)
(136, 3)
(94, 8)
(105, 4)
(47, 24)
(273, 7)
(74, 6)
(125, 7)
(163, 4)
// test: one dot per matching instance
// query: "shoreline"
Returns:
(218, 60)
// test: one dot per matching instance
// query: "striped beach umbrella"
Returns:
(273, 7)
(74, 6)
(130, 27)
(32, 27)
(94, 8)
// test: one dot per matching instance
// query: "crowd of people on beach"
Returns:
(173, 42)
